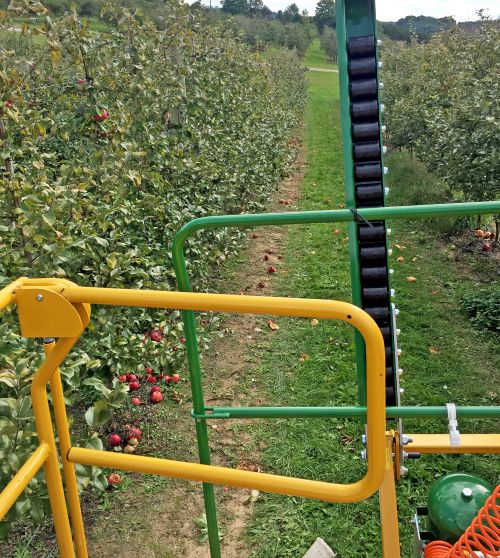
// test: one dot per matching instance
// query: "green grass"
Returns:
(315, 57)
(463, 368)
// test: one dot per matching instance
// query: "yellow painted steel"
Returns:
(215, 475)
(62, 426)
(21, 479)
(309, 308)
(440, 443)
(7, 293)
(45, 433)
(388, 505)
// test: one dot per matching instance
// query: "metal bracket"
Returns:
(44, 312)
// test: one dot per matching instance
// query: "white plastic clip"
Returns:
(453, 424)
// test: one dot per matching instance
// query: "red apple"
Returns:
(479, 233)
(122, 378)
(155, 388)
(149, 370)
(175, 378)
(156, 397)
(271, 269)
(114, 440)
(182, 340)
(135, 401)
(134, 432)
(168, 379)
(114, 479)
(151, 379)
(155, 336)
(486, 247)
(134, 385)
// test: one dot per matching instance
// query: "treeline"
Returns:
(441, 101)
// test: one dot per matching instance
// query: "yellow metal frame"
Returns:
(46, 306)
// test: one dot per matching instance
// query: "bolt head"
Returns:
(39, 297)
(403, 471)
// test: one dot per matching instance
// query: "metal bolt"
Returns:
(380, 64)
(401, 391)
(391, 271)
(363, 454)
(400, 371)
(379, 42)
(389, 232)
(406, 440)
(363, 439)
(380, 85)
(393, 292)
(386, 191)
(382, 108)
(399, 351)
(396, 311)
(467, 494)
(39, 297)
(403, 471)
(386, 170)
(384, 149)
(384, 128)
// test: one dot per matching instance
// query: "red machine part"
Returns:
(481, 538)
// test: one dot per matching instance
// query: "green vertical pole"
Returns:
(198, 402)
(349, 190)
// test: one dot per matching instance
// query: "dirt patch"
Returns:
(158, 521)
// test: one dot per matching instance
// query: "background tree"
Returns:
(291, 14)
(325, 14)
(235, 6)
(329, 43)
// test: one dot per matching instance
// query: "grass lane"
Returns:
(314, 365)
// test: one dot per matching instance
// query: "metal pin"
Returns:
(39, 297)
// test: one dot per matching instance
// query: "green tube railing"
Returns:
(343, 412)
(264, 219)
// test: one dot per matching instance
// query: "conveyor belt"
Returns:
(369, 192)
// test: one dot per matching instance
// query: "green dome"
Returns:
(454, 501)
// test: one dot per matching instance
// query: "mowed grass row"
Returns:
(444, 360)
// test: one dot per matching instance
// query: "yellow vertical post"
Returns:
(45, 433)
(388, 505)
(62, 427)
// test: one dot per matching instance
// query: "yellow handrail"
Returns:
(21, 479)
(48, 304)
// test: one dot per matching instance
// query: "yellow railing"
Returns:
(59, 308)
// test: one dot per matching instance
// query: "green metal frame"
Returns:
(202, 413)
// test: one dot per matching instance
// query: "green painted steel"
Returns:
(311, 217)
(263, 219)
(193, 357)
(342, 412)
(454, 501)
(350, 198)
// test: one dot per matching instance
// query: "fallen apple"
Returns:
(114, 440)
(114, 479)
(156, 397)
(134, 432)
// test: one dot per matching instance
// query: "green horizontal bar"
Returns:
(337, 216)
(339, 412)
